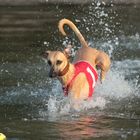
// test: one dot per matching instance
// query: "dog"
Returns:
(78, 78)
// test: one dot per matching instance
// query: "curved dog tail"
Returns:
(63, 22)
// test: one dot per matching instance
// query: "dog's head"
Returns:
(58, 62)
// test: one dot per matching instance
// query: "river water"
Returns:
(32, 106)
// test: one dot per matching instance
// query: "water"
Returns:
(32, 106)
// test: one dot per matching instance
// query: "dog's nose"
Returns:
(52, 74)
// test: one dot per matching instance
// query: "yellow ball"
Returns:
(2, 136)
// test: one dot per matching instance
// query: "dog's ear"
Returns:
(68, 51)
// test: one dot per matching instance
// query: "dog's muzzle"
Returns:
(53, 74)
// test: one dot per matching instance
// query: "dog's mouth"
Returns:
(53, 74)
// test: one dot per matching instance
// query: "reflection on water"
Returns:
(32, 106)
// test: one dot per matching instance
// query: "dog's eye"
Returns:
(58, 62)
(49, 62)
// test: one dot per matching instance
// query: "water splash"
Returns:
(100, 21)
(114, 88)
(117, 86)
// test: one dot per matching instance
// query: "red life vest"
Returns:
(90, 73)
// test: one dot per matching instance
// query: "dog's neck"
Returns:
(67, 77)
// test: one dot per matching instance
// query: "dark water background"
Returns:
(32, 106)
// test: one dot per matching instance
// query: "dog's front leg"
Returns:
(80, 87)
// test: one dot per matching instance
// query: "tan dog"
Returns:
(77, 86)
